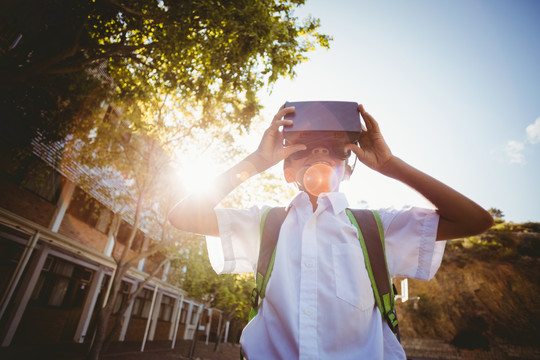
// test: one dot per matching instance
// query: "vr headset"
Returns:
(323, 117)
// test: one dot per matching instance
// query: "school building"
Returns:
(56, 263)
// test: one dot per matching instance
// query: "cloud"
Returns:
(533, 132)
(514, 151)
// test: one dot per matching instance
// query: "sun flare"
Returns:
(196, 173)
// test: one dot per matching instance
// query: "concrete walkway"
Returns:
(416, 349)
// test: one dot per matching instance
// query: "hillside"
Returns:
(487, 291)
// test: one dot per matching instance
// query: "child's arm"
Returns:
(196, 212)
(459, 216)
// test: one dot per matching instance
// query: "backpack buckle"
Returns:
(392, 321)
(255, 298)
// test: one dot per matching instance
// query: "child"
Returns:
(319, 303)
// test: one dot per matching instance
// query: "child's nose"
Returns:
(320, 150)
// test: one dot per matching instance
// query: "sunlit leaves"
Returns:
(205, 52)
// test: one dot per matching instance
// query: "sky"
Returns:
(454, 85)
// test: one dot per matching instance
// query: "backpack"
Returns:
(371, 239)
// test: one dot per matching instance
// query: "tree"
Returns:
(171, 70)
(231, 293)
(127, 159)
(497, 214)
(234, 297)
(61, 59)
(125, 162)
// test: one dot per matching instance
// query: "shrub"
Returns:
(529, 244)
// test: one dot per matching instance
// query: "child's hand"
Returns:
(373, 150)
(271, 149)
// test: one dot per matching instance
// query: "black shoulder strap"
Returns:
(270, 227)
(371, 238)
(375, 249)
(269, 238)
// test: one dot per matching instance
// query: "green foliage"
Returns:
(230, 292)
(61, 59)
(529, 245)
(497, 215)
(504, 240)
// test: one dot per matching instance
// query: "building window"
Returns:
(183, 314)
(104, 219)
(124, 232)
(90, 211)
(42, 180)
(10, 255)
(142, 304)
(61, 284)
(165, 310)
(194, 313)
(122, 296)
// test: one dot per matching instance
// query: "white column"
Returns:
(140, 265)
(149, 318)
(188, 322)
(155, 316)
(19, 270)
(226, 338)
(166, 269)
(177, 321)
(109, 246)
(89, 305)
(21, 300)
(173, 316)
(127, 316)
(208, 324)
(62, 205)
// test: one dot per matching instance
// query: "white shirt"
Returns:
(319, 303)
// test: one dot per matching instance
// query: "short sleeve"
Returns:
(237, 248)
(410, 240)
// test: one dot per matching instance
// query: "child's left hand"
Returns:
(373, 150)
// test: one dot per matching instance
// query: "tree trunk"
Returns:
(117, 327)
(102, 340)
(226, 319)
(219, 335)
(104, 316)
(99, 337)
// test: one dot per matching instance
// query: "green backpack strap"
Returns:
(371, 239)
(270, 226)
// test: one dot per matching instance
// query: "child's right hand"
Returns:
(271, 149)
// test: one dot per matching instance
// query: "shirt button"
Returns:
(309, 264)
(308, 311)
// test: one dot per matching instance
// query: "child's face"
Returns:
(327, 149)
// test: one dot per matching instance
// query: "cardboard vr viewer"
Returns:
(327, 116)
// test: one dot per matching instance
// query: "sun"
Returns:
(196, 172)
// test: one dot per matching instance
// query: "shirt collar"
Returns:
(337, 201)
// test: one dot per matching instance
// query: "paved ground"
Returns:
(439, 350)
(182, 351)
(416, 349)
(202, 352)
(124, 351)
